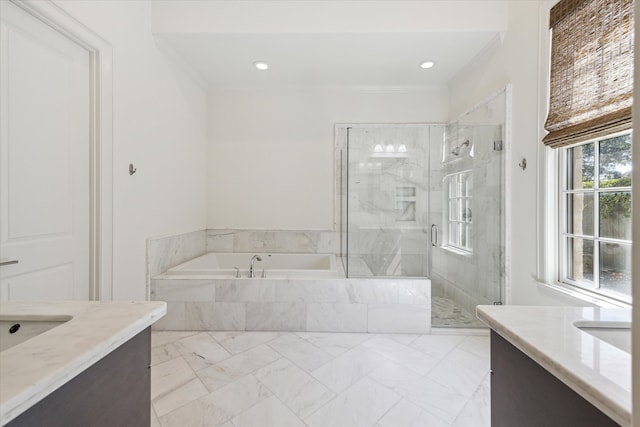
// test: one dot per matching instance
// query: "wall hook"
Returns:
(523, 163)
(132, 169)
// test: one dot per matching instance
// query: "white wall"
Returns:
(320, 16)
(159, 125)
(516, 60)
(270, 157)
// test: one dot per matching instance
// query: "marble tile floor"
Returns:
(446, 313)
(274, 379)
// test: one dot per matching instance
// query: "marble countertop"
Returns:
(33, 369)
(596, 370)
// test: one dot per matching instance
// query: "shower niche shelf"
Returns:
(406, 203)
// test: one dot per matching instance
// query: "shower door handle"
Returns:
(434, 235)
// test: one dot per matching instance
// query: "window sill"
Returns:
(586, 296)
(457, 251)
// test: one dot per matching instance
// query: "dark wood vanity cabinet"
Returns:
(115, 391)
(524, 394)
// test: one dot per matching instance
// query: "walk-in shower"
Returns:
(427, 200)
(385, 201)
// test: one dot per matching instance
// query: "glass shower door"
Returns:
(387, 201)
(467, 215)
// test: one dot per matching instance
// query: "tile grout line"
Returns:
(250, 348)
(310, 343)
(196, 377)
(391, 408)
(230, 419)
(471, 398)
(195, 373)
(210, 392)
(280, 400)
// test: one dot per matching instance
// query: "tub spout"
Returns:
(255, 258)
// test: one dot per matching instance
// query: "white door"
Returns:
(44, 161)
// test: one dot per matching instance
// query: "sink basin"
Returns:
(618, 334)
(14, 331)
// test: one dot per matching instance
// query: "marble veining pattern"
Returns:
(309, 379)
(33, 369)
(288, 241)
(168, 251)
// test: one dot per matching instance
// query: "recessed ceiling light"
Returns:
(260, 65)
(427, 64)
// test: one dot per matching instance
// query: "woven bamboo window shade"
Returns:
(591, 70)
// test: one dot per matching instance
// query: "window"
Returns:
(595, 192)
(589, 123)
(459, 210)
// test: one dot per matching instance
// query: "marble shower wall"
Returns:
(168, 251)
(475, 278)
(387, 199)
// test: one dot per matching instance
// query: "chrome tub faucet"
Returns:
(254, 258)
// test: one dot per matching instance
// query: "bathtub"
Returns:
(275, 265)
(300, 292)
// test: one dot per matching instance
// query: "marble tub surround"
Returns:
(168, 251)
(315, 305)
(35, 368)
(596, 370)
(284, 241)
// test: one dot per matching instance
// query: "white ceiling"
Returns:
(354, 59)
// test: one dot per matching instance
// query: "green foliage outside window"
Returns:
(615, 204)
